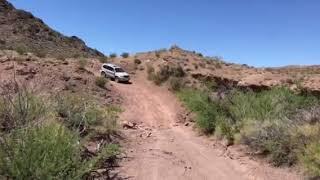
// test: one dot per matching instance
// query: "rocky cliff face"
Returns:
(21, 30)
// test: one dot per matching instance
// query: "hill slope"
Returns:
(200, 69)
(21, 30)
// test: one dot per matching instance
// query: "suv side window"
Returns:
(105, 66)
(110, 68)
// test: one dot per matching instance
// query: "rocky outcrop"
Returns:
(21, 30)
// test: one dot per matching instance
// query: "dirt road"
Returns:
(162, 149)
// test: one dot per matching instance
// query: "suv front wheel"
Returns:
(103, 74)
(117, 79)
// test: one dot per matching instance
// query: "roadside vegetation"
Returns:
(165, 73)
(277, 123)
(45, 137)
(101, 81)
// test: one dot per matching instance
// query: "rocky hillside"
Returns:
(200, 69)
(20, 30)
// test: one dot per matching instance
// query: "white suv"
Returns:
(114, 72)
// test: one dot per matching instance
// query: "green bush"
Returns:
(125, 55)
(310, 159)
(266, 120)
(175, 83)
(113, 55)
(178, 71)
(47, 149)
(48, 152)
(272, 138)
(21, 50)
(199, 102)
(164, 73)
(19, 107)
(101, 81)
(108, 155)
(79, 112)
(269, 121)
(200, 54)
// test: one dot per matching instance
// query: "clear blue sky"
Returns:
(255, 32)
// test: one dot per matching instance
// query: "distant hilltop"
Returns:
(20, 30)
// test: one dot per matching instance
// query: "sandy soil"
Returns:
(160, 148)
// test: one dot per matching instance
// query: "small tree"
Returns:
(113, 55)
(101, 81)
(125, 55)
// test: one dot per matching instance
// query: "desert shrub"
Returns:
(150, 72)
(40, 53)
(137, 61)
(200, 54)
(125, 55)
(162, 75)
(178, 71)
(310, 159)
(277, 123)
(101, 81)
(267, 121)
(150, 69)
(79, 112)
(210, 84)
(225, 127)
(176, 83)
(22, 50)
(110, 123)
(271, 138)
(82, 63)
(216, 58)
(103, 59)
(277, 103)
(113, 55)
(108, 155)
(19, 107)
(165, 72)
(199, 102)
(61, 57)
(44, 152)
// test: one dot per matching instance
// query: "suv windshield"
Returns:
(119, 70)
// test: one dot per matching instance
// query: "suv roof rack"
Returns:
(111, 65)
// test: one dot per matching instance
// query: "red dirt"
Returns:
(161, 148)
